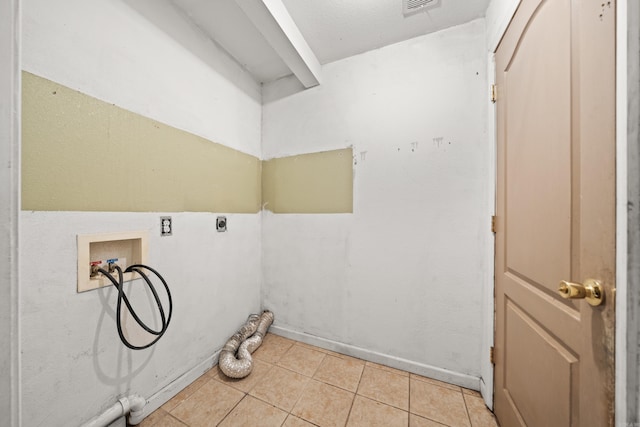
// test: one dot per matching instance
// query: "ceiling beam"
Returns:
(273, 21)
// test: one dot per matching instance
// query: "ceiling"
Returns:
(333, 29)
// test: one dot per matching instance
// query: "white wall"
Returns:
(403, 276)
(141, 55)
(9, 211)
(498, 16)
(73, 364)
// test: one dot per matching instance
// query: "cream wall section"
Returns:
(401, 280)
(73, 364)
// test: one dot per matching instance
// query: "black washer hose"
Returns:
(119, 284)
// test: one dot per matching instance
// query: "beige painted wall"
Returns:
(309, 183)
(83, 154)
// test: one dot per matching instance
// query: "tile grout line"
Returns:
(374, 399)
(188, 396)
(274, 365)
(446, 388)
(338, 386)
(308, 381)
(264, 401)
(231, 410)
(409, 403)
(355, 394)
(177, 419)
(300, 373)
(303, 419)
(467, 409)
(300, 396)
(386, 368)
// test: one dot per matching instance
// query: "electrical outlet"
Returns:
(221, 223)
(166, 226)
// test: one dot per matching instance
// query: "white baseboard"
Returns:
(463, 380)
(179, 384)
(487, 394)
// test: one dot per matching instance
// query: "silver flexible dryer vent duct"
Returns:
(244, 342)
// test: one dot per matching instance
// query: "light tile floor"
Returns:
(297, 385)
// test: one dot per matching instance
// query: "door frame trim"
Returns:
(488, 302)
(628, 219)
(10, 206)
(502, 12)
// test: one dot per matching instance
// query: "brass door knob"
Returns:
(592, 291)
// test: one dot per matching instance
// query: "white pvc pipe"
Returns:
(130, 405)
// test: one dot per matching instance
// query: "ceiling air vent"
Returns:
(409, 7)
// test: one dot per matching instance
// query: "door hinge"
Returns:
(494, 93)
(493, 223)
(492, 356)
